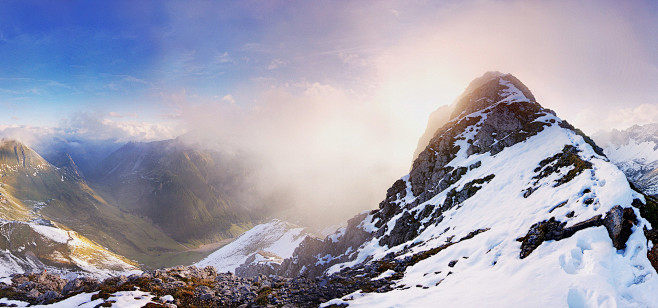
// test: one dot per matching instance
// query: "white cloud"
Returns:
(276, 63)
(92, 126)
(224, 58)
(332, 152)
(121, 115)
(114, 126)
(591, 120)
(229, 99)
(134, 79)
(29, 135)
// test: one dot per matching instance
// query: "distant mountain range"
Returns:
(634, 151)
(192, 194)
(149, 202)
(506, 204)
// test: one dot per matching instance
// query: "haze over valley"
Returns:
(332, 154)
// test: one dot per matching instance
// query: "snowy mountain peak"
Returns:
(490, 89)
(504, 191)
(482, 94)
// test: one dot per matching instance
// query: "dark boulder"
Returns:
(79, 285)
(619, 223)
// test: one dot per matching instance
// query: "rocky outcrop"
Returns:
(80, 285)
(252, 268)
(486, 90)
(652, 253)
(552, 230)
(314, 256)
(195, 287)
(484, 119)
(618, 221)
(567, 159)
(42, 288)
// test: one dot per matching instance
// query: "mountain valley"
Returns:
(501, 189)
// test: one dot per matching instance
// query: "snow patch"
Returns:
(277, 237)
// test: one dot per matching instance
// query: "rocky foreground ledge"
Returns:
(194, 287)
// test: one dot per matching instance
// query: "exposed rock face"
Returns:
(485, 91)
(499, 140)
(251, 268)
(496, 111)
(314, 256)
(652, 254)
(618, 221)
(492, 126)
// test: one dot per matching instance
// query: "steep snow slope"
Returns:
(508, 205)
(270, 243)
(634, 151)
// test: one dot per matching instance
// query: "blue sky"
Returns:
(331, 95)
(145, 61)
(59, 57)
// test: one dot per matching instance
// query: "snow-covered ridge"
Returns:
(272, 242)
(485, 189)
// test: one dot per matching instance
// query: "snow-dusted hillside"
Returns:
(33, 247)
(634, 151)
(265, 243)
(507, 206)
(31, 241)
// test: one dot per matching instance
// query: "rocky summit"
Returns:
(506, 204)
(505, 190)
